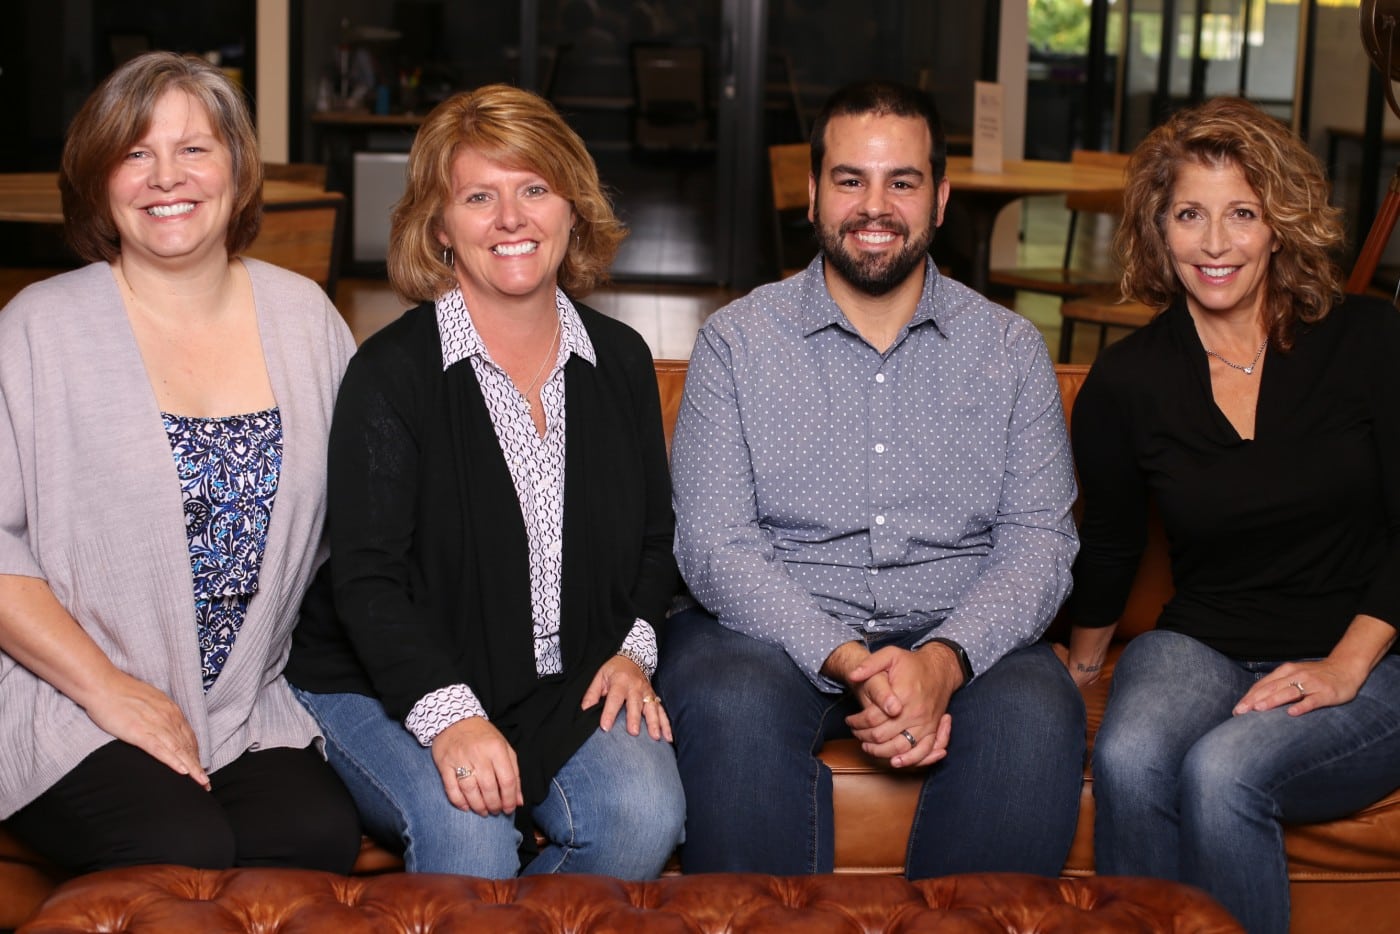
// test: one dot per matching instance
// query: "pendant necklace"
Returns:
(1246, 370)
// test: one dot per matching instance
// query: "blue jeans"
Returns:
(749, 725)
(616, 808)
(1185, 791)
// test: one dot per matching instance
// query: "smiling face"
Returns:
(1219, 244)
(171, 196)
(508, 229)
(876, 204)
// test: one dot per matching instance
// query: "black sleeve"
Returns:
(1382, 600)
(1113, 531)
(372, 508)
(657, 576)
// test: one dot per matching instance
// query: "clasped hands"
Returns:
(903, 693)
(478, 766)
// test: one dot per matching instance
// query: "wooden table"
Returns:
(983, 195)
(32, 197)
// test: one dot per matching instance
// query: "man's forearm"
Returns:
(844, 659)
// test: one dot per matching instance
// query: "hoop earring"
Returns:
(447, 256)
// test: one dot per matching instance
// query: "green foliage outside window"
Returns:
(1060, 26)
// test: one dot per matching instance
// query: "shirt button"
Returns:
(874, 571)
(879, 449)
(879, 520)
(879, 377)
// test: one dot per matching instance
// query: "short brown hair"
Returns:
(882, 98)
(117, 114)
(518, 129)
(1304, 280)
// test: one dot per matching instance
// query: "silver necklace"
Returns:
(1246, 370)
(549, 354)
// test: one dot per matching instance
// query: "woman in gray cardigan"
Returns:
(163, 423)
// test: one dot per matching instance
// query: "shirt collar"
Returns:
(460, 339)
(819, 310)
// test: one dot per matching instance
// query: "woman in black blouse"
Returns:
(478, 652)
(1260, 413)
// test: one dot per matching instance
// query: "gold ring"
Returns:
(1301, 692)
(462, 772)
(649, 698)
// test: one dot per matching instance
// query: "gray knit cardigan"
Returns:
(90, 502)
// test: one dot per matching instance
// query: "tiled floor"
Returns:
(668, 316)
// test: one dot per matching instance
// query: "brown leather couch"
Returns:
(173, 899)
(1345, 874)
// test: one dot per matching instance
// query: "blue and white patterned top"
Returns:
(229, 468)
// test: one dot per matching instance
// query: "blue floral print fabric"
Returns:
(228, 470)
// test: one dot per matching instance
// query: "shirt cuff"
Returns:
(440, 709)
(640, 647)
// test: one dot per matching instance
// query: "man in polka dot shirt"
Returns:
(873, 489)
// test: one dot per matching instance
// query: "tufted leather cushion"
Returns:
(178, 899)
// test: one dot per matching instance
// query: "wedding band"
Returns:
(462, 772)
(909, 736)
(1301, 692)
(648, 699)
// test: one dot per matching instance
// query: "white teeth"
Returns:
(515, 249)
(874, 237)
(1218, 272)
(170, 210)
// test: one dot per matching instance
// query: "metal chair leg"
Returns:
(1066, 338)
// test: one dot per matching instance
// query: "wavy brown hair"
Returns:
(118, 114)
(1304, 282)
(518, 129)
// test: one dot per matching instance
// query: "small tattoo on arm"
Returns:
(1087, 669)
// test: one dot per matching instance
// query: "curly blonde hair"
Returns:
(1304, 282)
(516, 128)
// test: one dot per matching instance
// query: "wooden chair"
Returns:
(672, 114)
(1101, 310)
(305, 237)
(303, 173)
(1070, 280)
(789, 166)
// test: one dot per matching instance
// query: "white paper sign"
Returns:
(986, 127)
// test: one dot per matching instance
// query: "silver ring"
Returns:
(909, 736)
(1301, 692)
(462, 772)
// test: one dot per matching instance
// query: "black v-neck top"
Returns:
(1276, 542)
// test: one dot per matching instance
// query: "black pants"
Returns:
(121, 807)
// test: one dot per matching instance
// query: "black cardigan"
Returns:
(428, 581)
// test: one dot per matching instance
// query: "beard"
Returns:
(873, 275)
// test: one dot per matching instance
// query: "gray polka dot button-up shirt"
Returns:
(827, 492)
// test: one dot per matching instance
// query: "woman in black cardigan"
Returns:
(479, 647)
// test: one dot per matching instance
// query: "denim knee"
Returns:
(616, 808)
(399, 794)
(722, 684)
(642, 832)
